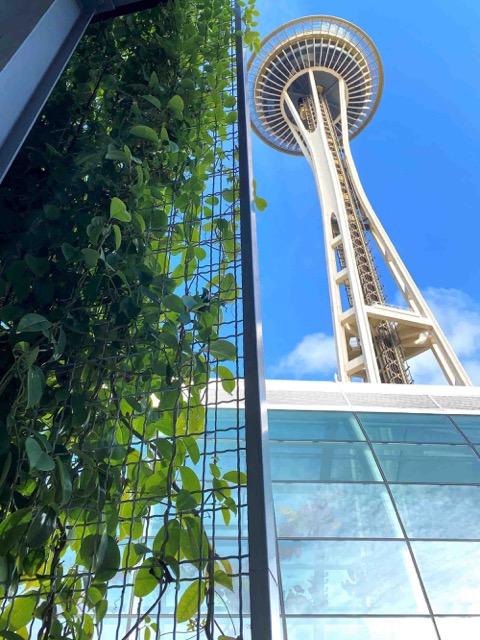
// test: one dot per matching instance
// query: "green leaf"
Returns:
(176, 104)
(153, 100)
(174, 303)
(59, 346)
(116, 154)
(220, 577)
(192, 597)
(101, 609)
(90, 257)
(41, 528)
(70, 253)
(33, 322)
(142, 131)
(171, 545)
(20, 612)
(35, 386)
(223, 350)
(214, 470)
(10, 635)
(190, 480)
(12, 528)
(108, 559)
(228, 195)
(227, 378)
(6, 468)
(141, 549)
(118, 236)
(37, 458)
(118, 210)
(260, 203)
(185, 501)
(39, 266)
(236, 477)
(146, 579)
(192, 448)
(232, 117)
(65, 481)
(138, 223)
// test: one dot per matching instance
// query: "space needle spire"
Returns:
(314, 85)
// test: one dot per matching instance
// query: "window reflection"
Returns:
(409, 427)
(428, 463)
(322, 461)
(430, 511)
(313, 425)
(335, 510)
(355, 577)
(470, 425)
(450, 573)
(362, 629)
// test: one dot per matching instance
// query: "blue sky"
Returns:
(419, 161)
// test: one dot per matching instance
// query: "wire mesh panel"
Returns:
(123, 510)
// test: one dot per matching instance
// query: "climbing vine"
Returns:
(116, 276)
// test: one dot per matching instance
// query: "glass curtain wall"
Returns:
(378, 524)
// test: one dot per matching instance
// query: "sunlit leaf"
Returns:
(188, 604)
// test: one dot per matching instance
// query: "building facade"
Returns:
(377, 509)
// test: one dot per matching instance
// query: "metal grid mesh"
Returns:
(90, 572)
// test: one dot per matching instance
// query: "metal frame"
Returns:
(263, 566)
(42, 36)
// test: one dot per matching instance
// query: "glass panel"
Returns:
(224, 421)
(439, 511)
(313, 425)
(335, 510)
(428, 463)
(470, 425)
(458, 628)
(322, 461)
(362, 629)
(409, 427)
(354, 576)
(451, 575)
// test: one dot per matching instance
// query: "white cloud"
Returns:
(313, 355)
(458, 315)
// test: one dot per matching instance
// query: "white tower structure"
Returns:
(314, 85)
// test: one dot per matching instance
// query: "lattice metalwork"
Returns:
(390, 358)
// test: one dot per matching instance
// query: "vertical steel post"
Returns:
(263, 565)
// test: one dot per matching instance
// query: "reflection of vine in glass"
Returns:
(306, 519)
(365, 581)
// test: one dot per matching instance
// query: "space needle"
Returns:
(314, 85)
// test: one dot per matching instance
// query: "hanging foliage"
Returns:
(117, 277)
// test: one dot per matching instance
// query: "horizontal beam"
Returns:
(400, 316)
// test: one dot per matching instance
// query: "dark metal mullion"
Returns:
(26, 119)
(402, 527)
(263, 564)
(392, 482)
(372, 539)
